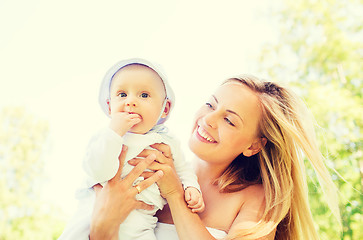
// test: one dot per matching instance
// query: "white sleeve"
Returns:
(183, 168)
(101, 159)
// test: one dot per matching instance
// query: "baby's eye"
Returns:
(122, 94)
(229, 122)
(144, 95)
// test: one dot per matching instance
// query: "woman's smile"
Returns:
(204, 136)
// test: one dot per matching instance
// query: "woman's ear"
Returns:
(255, 147)
(166, 109)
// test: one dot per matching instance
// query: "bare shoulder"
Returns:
(256, 188)
(252, 207)
(252, 210)
(254, 202)
(254, 193)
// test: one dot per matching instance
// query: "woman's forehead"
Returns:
(233, 90)
(238, 97)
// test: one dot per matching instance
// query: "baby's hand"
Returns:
(121, 122)
(194, 199)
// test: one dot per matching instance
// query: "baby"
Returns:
(136, 96)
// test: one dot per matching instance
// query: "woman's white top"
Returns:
(164, 231)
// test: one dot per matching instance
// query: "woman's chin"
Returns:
(195, 145)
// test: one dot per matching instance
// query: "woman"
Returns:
(250, 140)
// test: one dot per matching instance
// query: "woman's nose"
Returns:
(210, 119)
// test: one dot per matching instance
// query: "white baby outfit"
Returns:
(139, 224)
(101, 164)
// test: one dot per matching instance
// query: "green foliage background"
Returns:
(22, 214)
(320, 54)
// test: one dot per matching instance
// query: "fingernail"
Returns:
(160, 173)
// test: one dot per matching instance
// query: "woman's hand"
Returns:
(116, 199)
(169, 184)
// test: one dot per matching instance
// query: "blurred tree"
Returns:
(320, 53)
(22, 214)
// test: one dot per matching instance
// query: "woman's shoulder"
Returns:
(252, 192)
(253, 197)
(252, 207)
(256, 190)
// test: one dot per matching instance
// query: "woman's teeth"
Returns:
(205, 135)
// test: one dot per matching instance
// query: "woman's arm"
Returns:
(116, 199)
(188, 224)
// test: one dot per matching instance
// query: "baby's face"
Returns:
(138, 89)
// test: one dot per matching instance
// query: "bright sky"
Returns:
(53, 55)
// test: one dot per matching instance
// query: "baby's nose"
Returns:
(131, 104)
(131, 101)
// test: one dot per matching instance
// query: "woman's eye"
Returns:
(122, 94)
(229, 122)
(209, 105)
(144, 95)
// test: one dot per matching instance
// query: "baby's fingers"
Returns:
(134, 121)
(200, 209)
(192, 201)
(199, 206)
(198, 202)
(187, 196)
(134, 117)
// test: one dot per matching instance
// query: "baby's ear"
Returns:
(109, 106)
(166, 109)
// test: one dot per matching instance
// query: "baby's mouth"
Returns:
(134, 113)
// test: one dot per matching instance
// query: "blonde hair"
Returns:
(287, 126)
